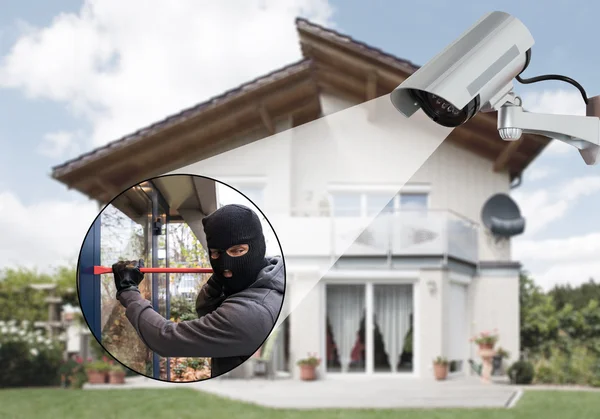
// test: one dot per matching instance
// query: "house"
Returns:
(425, 275)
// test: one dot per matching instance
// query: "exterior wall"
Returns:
(495, 304)
(306, 322)
(430, 322)
(273, 174)
(462, 181)
(459, 180)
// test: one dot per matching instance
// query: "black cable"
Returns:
(549, 77)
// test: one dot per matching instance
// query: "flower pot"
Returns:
(116, 377)
(486, 346)
(96, 377)
(308, 372)
(440, 371)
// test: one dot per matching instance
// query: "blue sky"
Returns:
(52, 110)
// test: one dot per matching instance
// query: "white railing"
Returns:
(398, 233)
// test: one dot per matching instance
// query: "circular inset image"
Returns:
(180, 278)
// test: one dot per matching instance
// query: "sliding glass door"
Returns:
(382, 345)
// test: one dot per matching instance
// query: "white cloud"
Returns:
(46, 234)
(123, 65)
(545, 206)
(537, 173)
(556, 102)
(59, 144)
(571, 260)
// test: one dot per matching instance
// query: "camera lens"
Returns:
(442, 111)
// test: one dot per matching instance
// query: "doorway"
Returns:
(369, 328)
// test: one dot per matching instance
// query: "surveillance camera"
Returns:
(475, 73)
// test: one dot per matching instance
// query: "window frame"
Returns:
(363, 191)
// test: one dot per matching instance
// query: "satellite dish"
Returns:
(501, 215)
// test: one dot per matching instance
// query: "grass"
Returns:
(188, 403)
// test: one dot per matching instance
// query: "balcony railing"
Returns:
(397, 233)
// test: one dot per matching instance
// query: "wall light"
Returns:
(432, 285)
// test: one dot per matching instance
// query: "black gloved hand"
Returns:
(127, 275)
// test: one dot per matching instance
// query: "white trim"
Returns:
(364, 188)
(417, 330)
(373, 275)
(416, 188)
(243, 180)
(409, 188)
(461, 279)
(369, 329)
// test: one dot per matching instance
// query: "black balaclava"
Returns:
(233, 225)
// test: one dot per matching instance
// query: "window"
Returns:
(412, 201)
(377, 201)
(347, 204)
(252, 188)
(368, 204)
(255, 193)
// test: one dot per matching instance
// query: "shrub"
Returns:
(440, 360)
(544, 374)
(195, 363)
(27, 357)
(521, 372)
(312, 361)
(73, 372)
(182, 309)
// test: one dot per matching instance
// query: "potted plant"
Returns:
(440, 368)
(498, 361)
(116, 374)
(486, 340)
(308, 367)
(96, 372)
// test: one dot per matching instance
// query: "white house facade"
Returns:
(425, 275)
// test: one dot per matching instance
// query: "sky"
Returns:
(75, 75)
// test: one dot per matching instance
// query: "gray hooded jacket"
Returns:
(229, 334)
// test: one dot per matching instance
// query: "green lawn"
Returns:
(187, 403)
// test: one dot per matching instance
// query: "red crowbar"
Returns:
(99, 270)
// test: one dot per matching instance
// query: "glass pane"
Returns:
(346, 204)
(123, 238)
(413, 201)
(377, 203)
(392, 337)
(345, 316)
(185, 251)
(254, 194)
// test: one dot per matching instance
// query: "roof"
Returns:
(332, 62)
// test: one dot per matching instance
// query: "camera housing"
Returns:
(473, 74)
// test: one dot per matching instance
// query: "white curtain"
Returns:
(345, 309)
(393, 306)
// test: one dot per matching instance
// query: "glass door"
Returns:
(139, 234)
(345, 331)
(123, 237)
(382, 345)
(392, 331)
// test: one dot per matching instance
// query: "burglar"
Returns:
(237, 307)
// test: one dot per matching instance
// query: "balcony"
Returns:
(418, 233)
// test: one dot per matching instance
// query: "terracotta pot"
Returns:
(96, 377)
(116, 377)
(440, 371)
(485, 346)
(308, 372)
